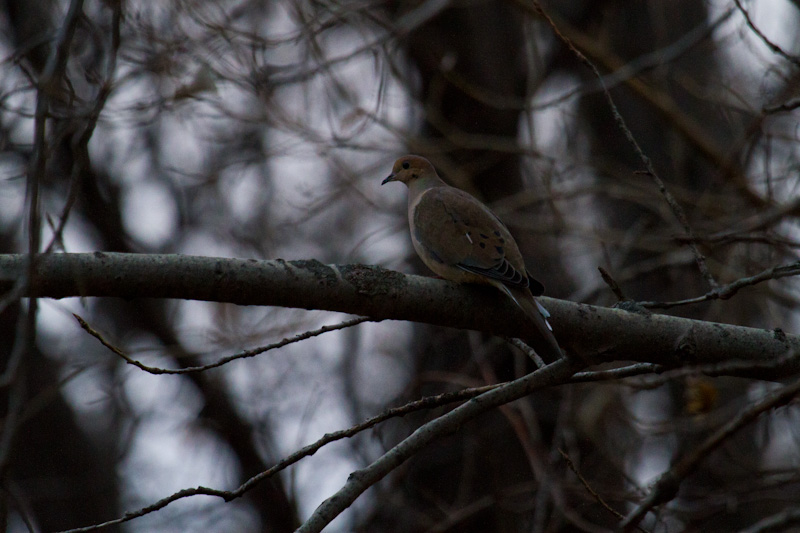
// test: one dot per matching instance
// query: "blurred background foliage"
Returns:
(257, 129)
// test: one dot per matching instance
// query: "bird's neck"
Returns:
(424, 183)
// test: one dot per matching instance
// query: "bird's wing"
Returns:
(459, 231)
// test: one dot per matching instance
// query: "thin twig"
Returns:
(527, 350)
(677, 210)
(360, 480)
(636, 369)
(80, 144)
(669, 482)
(591, 491)
(424, 403)
(612, 284)
(241, 355)
(25, 339)
(772, 46)
(762, 220)
(780, 368)
(632, 69)
(729, 290)
(429, 402)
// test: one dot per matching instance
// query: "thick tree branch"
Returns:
(594, 333)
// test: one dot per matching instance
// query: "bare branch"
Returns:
(429, 402)
(668, 483)
(527, 350)
(772, 46)
(637, 369)
(610, 334)
(80, 143)
(612, 284)
(224, 360)
(361, 480)
(771, 370)
(590, 490)
(25, 340)
(677, 210)
(729, 290)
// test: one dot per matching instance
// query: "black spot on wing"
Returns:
(536, 287)
(503, 271)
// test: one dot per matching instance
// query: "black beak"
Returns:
(389, 178)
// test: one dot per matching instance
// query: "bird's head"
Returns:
(410, 168)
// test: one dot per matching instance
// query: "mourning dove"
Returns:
(461, 240)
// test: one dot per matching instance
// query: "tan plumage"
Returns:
(462, 240)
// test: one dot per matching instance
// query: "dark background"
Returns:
(263, 129)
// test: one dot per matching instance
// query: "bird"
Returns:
(462, 240)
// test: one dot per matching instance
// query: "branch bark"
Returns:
(595, 334)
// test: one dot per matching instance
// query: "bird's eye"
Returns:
(405, 164)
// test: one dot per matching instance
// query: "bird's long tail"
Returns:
(542, 339)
